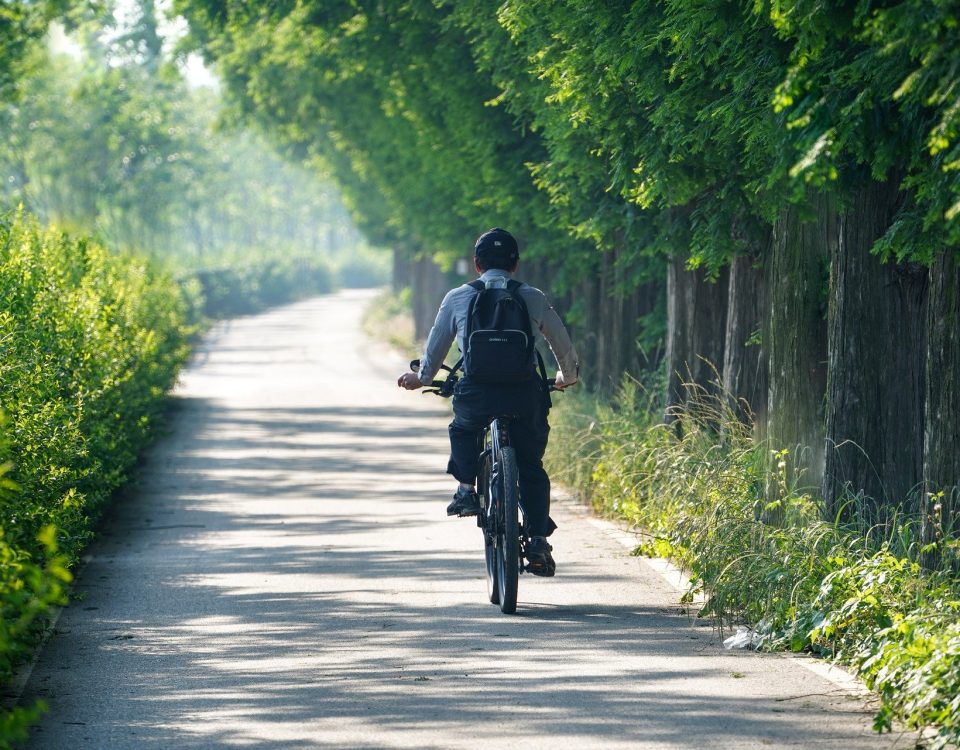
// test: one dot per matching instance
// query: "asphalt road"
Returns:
(284, 576)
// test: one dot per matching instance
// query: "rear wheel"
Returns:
(489, 540)
(508, 531)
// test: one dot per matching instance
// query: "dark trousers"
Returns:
(474, 405)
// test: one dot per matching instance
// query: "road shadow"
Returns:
(242, 589)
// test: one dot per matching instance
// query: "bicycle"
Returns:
(505, 533)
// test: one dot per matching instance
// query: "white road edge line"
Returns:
(22, 676)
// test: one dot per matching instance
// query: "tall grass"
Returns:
(387, 318)
(701, 487)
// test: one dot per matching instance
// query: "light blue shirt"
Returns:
(452, 316)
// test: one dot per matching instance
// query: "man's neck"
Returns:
(493, 273)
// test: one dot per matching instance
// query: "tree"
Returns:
(116, 142)
(780, 149)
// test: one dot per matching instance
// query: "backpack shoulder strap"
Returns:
(542, 367)
(513, 287)
(477, 286)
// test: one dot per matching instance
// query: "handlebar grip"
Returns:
(415, 366)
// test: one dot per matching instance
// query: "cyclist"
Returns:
(496, 258)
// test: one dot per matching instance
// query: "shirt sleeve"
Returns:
(439, 340)
(548, 323)
(557, 337)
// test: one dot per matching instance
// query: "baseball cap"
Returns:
(497, 244)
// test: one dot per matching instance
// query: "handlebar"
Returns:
(444, 388)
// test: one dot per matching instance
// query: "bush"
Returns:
(857, 595)
(89, 344)
(256, 284)
(363, 268)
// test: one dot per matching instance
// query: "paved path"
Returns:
(284, 577)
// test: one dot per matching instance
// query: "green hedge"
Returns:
(247, 282)
(89, 343)
(257, 284)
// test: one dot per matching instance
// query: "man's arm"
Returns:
(557, 337)
(550, 326)
(441, 336)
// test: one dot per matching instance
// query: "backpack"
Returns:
(497, 336)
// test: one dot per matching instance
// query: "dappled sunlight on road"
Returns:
(285, 577)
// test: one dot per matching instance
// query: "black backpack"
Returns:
(497, 336)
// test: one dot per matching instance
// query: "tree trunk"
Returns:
(941, 459)
(744, 353)
(696, 322)
(618, 304)
(588, 335)
(402, 276)
(876, 367)
(429, 286)
(609, 312)
(638, 300)
(796, 280)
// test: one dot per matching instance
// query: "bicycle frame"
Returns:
(501, 517)
(496, 437)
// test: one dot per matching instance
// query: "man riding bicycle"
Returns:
(496, 258)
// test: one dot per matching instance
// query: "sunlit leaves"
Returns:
(722, 111)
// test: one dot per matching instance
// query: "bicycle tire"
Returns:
(508, 531)
(489, 540)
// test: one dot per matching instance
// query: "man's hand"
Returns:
(410, 381)
(561, 384)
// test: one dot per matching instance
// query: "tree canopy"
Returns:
(113, 139)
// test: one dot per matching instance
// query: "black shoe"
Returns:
(465, 503)
(539, 560)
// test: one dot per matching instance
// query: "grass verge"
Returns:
(858, 596)
(388, 319)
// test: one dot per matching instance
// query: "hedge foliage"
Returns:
(254, 285)
(89, 343)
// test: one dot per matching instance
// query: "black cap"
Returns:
(497, 244)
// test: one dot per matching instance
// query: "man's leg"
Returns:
(464, 450)
(529, 433)
(466, 433)
(530, 441)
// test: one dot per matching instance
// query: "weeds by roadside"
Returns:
(388, 319)
(698, 486)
